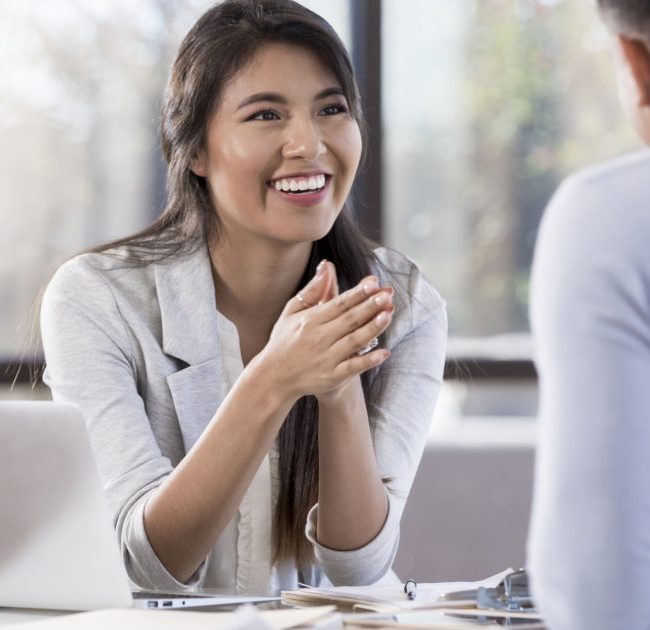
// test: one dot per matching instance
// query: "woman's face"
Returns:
(282, 149)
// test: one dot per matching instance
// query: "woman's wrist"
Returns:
(340, 398)
(266, 381)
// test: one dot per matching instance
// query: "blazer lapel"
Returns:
(197, 392)
(190, 333)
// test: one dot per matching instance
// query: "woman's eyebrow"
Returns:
(275, 97)
(335, 90)
(269, 97)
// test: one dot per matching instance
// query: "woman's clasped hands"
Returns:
(318, 343)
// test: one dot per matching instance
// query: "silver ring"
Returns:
(366, 349)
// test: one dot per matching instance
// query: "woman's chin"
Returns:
(311, 231)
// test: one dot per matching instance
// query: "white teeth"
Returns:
(314, 182)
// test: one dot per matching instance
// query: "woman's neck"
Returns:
(255, 283)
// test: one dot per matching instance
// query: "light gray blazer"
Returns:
(137, 349)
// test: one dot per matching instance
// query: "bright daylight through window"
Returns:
(486, 106)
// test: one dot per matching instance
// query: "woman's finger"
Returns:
(362, 337)
(347, 300)
(359, 315)
(359, 364)
(333, 289)
(311, 294)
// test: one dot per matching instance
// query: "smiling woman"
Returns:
(249, 428)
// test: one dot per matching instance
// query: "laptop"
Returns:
(58, 548)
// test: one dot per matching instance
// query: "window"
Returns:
(487, 105)
(79, 104)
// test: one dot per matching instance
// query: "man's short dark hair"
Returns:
(629, 17)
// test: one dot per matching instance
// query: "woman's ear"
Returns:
(198, 165)
(636, 54)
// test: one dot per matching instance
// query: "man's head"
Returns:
(629, 23)
(631, 17)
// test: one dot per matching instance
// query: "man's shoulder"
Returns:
(622, 178)
(607, 200)
(592, 243)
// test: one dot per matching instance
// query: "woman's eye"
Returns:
(266, 114)
(332, 110)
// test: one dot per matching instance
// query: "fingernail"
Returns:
(382, 318)
(381, 355)
(381, 299)
(370, 286)
(320, 270)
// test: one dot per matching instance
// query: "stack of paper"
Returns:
(385, 599)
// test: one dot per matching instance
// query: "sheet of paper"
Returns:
(132, 619)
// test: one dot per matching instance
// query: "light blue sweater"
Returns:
(589, 547)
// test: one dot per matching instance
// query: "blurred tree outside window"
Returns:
(80, 162)
(487, 106)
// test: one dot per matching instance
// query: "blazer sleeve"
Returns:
(589, 544)
(400, 416)
(89, 359)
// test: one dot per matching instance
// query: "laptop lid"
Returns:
(57, 544)
(58, 548)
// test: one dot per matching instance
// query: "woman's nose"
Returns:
(303, 140)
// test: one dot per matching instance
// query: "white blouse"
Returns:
(241, 559)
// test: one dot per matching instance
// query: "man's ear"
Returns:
(637, 56)
(198, 166)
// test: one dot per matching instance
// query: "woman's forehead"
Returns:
(287, 69)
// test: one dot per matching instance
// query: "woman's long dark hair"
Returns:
(222, 41)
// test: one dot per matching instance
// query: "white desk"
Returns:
(142, 619)
(22, 615)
